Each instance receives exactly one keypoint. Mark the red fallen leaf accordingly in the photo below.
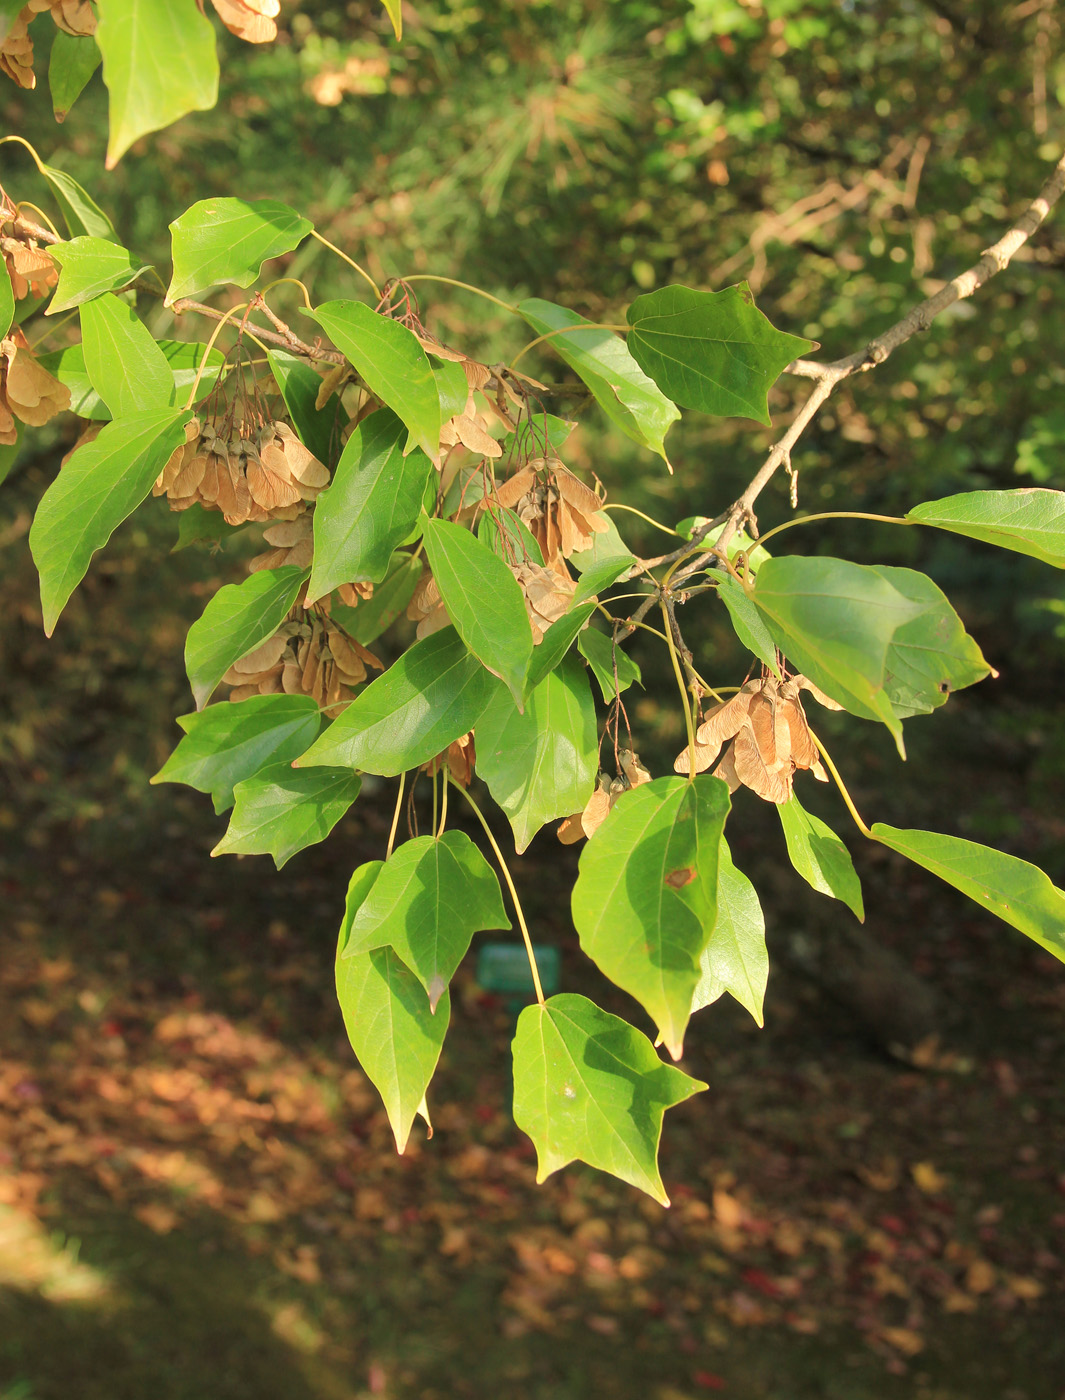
(761, 1283)
(708, 1380)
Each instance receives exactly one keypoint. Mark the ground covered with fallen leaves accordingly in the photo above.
(199, 1193)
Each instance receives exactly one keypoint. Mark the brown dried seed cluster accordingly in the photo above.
(251, 20)
(291, 543)
(771, 739)
(307, 655)
(31, 268)
(77, 17)
(561, 513)
(458, 758)
(426, 606)
(267, 474)
(547, 595)
(607, 792)
(27, 391)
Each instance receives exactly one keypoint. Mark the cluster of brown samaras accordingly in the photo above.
(631, 774)
(249, 471)
(252, 20)
(308, 655)
(27, 391)
(562, 515)
(770, 738)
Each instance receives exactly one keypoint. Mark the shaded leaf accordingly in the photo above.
(506, 534)
(81, 213)
(196, 524)
(556, 643)
(73, 60)
(1030, 520)
(432, 896)
(820, 856)
(219, 242)
(483, 600)
(123, 363)
(712, 351)
(234, 622)
(371, 505)
(432, 695)
(1010, 888)
(542, 763)
(102, 482)
(373, 615)
(7, 303)
(607, 661)
(225, 743)
(645, 901)
(318, 428)
(588, 1087)
(279, 811)
(632, 401)
(747, 622)
(89, 267)
(735, 960)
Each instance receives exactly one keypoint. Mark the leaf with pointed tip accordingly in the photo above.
(227, 743)
(542, 763)
(72, 62)
(159, 63)
(122, 360)
(556, 643)
(236, 620)
(389, 358)
(748, 623)
(318, 428)
(279, 811)
(483, 600)
(81, 213)
(183, 356)
(606, 545)
(645, 901)
(224, 242)
(1010, 888)
(432, 896)
(600, 575)
(632, 401)
(394, 11)
(433, 694)
(588, 1087)
(1030, 520)
(712, 351)
(102, 483)
(613, 669)
(735, 960)
(835, 622)
(371, 505)
(506, 534)
(931, 655)
(87, 268)
(820, 856)
(374, 615)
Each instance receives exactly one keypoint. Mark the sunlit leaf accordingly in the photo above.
(220, 242)
(102, 483)
(820, 856)
(1010, 888)
(1030, 520)
(122, 360)
(183, 357)
(735, 960)
(556, 642)
(432, 695)
(279, 811)
(432, 896)
(588, 1087)
(713, 351)
(81, 213)
(613, 669)
(236, 620)
(930, 656)
(89, 267)
(72, 62)
(747, 622)
(226, 743)
(645, 901)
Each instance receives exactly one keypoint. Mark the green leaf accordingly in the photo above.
(371, 505)
(820, 856)
(396, 1038)
(1010, 888)
(374, 615)
(600, 575)
(318, 428)
(605, 659)
(432, 695)
(88, 267)
(102, 483)
(196, 524)
(542, 435)
(7, 303)
(182, 356)
(159, 63)
(236, 620)
(712, 351)
(1030, 520)
(394, 11)
(280, 811)
(72, 62)
(619, 385)
(483, 600)
(81, 213)
(542, 763)
(9, 452)
(645, 901)
(747, 622)
(391, 361)
(735, 960)
(220, 242)
(506, 534)
(606, 545)
(227, 743)
(556, 642)
(931, 655)
(452, 388)
(432, 896)
(588, 1087)
(124, 364)
(835, 622)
